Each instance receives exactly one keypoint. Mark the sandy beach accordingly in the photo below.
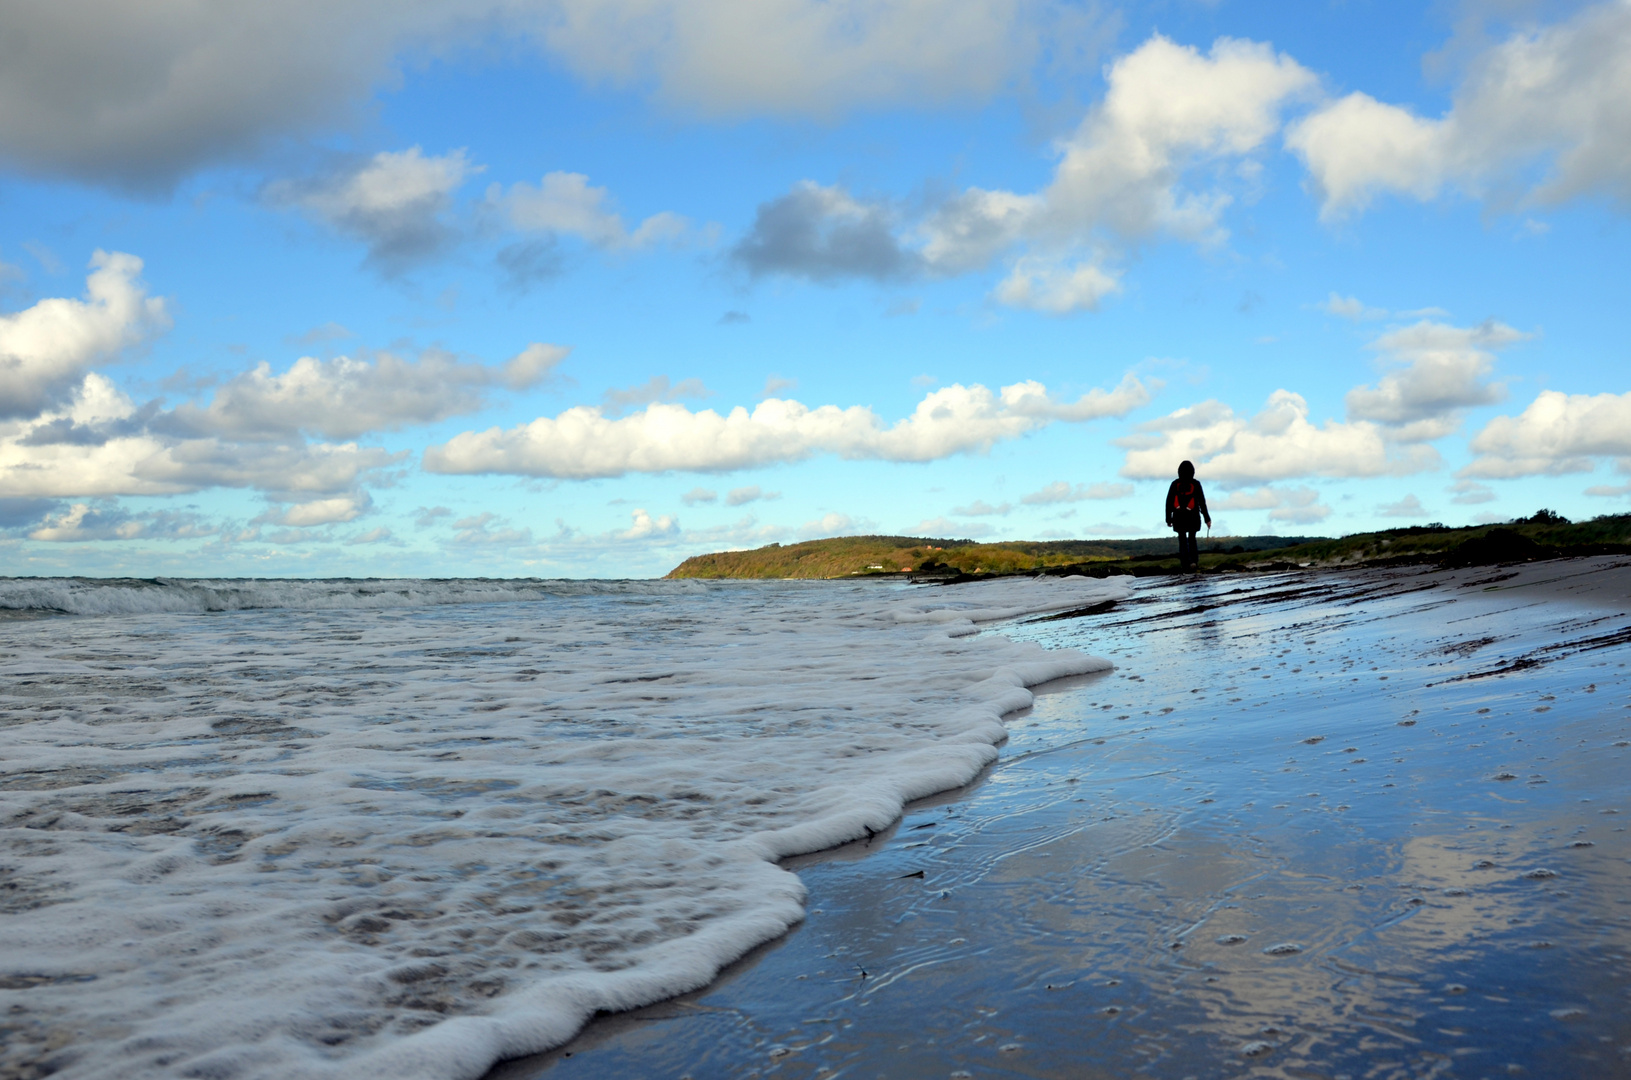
(1356, 824)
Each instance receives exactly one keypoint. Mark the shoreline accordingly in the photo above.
(1110, 874)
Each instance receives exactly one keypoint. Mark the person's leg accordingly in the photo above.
(1187, 555)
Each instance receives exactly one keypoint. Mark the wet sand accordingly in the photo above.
(1363, 824)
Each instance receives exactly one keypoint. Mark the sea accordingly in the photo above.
(408, 828)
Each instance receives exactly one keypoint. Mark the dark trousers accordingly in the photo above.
(1189, 553)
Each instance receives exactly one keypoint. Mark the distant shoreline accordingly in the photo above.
(1543, 535)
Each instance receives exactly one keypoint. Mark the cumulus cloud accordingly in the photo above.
(1349, 307)
(141, 94)
(1056, 288)
(159, 89)
(46, 349)
(117, 449)
(1471, 493)
(659, 388)
(776, 385)
(1168, 111)
(84, 522)
(947, 528)
(800, 57)
(1558, 433)
(646, 527)
(564, 204)
(1439, 370)
(1435, 371)
(584, 443)
(1278, 443)
(330, 511)
(396, 203)
(1407, 507)
(478, 530)
(1298, 505)
(981, 508)
(743, 495)
(824, 234)
(1557, 98)
(344, 397)
(1061, 492)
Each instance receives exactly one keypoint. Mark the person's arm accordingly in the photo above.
(1169, 502)
(1200, 497)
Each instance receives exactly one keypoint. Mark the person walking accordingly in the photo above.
(1186, 506)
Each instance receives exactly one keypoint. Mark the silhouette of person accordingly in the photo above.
(1186, 506)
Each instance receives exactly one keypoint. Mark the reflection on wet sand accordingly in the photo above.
(1364, 825)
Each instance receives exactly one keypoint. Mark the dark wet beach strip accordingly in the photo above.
(1366, 824)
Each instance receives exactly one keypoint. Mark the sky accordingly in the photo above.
(580, 288)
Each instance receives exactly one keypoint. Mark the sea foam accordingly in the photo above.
(406, 829)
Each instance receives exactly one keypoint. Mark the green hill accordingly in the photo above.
(850, 556)
(1543, 535)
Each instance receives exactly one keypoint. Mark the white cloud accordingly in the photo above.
(344, 397)
(981, 508)
(1301, 506)
(142, 94)
(1279, 443)
(331, 511)
(1169, 113)
(743, 495)
(1557, 433)
(656, 389)
(396, 203)
(1559, 97)
(533, 365)
(162, 88)
(372, 536)
(113, 449)
(1056, 288)
(1061, 492)
(945, 528)
(1442, 371)
(46, 349)
(646, 527)
(832, 523)
(1471, 493)
(83, 522)
(775, 385)
(563, 203)
(1349, 307)
(1298, 505)
(476, 530)
(1264, 498)
(1407, 507)
(800, 57)
(1436, 371)
(699, 495)
(1168, 110)
(583, 442)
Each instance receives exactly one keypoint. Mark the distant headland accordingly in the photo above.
(1542, 535)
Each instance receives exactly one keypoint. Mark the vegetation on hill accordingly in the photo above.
(1542, 535)
(851, 556)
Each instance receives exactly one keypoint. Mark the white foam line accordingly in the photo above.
(307, 843)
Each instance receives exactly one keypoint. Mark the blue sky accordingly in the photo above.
(583, 287)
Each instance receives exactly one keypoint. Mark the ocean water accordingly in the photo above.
(407, 828)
